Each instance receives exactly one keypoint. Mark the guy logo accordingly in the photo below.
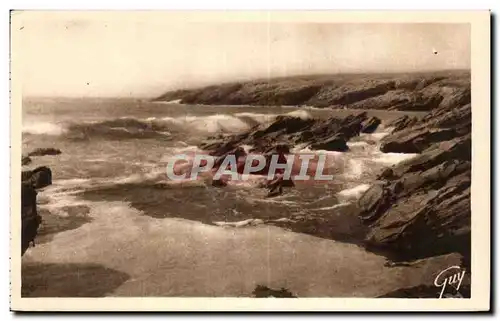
(450, 277)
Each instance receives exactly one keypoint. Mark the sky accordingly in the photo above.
(141, 55)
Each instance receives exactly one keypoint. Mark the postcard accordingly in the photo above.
(250, 160)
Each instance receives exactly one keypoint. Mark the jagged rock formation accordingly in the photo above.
(421, 207)
(330, 134)
(31, 220)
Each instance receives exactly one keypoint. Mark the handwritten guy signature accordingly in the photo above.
(447, 278)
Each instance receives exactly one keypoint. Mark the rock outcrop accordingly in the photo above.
(30, 219)
(370, 125)
(421, 207)
(440, 125)
(45, 151)
(262, 291)
(26, 160)
(38, 178)
(326, 134)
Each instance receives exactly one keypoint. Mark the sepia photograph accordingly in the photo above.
(267, 157)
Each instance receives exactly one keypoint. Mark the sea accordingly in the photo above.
(116, 225)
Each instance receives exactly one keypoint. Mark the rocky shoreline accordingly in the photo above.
(31, 182)
(417, 209)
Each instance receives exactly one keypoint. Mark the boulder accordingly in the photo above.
(26, 160)
(336, 143)
(45, 151)
(370, 125)
(420, 103)
(38, 178)
(402, 123)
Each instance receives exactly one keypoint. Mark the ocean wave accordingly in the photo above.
(152, 127)
(304, 114)
(43, 128)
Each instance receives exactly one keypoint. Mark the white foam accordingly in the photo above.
(357, 144)
(249, 222)
(175, 101)
(71, 181)
(211, 124)
(331, 207)
(43, 128)
(353, 193)
(392, 158)
(375, 136)
(304, 114)
(355, 168)
(308, 150)
(260, 118)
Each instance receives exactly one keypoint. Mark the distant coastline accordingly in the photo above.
(416, 91)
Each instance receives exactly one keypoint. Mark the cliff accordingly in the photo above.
(410, 91)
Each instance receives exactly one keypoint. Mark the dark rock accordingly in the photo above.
(440, 125)
(422, 206)
(265, 292)
(387, 173)
(456, 149)
(38, 178)
(402, 123)
(458, 97)
(419, 103)
(337, 143)
(30, 220)
(45, 151)
(287, 131)
(26, 160)
(351, 92)
(370, 125)
(416, 141)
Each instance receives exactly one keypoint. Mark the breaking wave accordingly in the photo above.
(43, 128)
(154, 127)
